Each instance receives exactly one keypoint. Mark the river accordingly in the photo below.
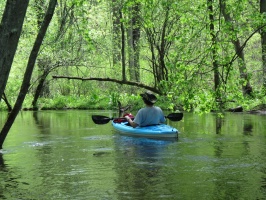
(64, 155)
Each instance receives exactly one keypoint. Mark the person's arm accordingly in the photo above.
(133, 124)
(162, 117)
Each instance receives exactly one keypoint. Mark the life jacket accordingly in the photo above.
(123, 119)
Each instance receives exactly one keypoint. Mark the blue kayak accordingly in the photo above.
(153, 131)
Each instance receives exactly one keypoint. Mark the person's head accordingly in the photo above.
(149, 98)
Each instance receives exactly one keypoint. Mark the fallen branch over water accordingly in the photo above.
(124, 82)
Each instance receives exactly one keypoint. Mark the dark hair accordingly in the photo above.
(147, 102)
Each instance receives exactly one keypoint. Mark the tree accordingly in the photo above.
(28, 73)
(39, 6)
(46, 63)
(196, 53)
(263, 43)
(246, 87)
(126, 22)
(116, 31)
(133, 39)
(10, 30)
(160, 25)
(214, 49)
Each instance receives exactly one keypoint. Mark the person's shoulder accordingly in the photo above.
(141, 110)
(157, 107)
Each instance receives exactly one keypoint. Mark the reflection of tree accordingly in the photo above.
(2, 164)
(218, 124)
(41, 122)
(52, 157)
(138, 163)
(222, 191)
(2, 168)
(263, 179)
(9, 180)
(247, 129)
(234, 164)
(223, 175)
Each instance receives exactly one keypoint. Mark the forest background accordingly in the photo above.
(198, 56)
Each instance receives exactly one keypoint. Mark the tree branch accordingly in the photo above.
(124, 82)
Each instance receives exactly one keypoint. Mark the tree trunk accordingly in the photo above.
(39, 90)
(159, 43)
(136, 38)
(130, 50)
(246, 87)
(9, 107)
(123, 52)
(263, 44)
(10, 30)
(133, 31)
(39, 6)
(116, 43)
(214, 49)
(28, 73)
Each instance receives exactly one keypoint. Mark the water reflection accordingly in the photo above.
(9, 179)
(64, 155)
(2, 177)
(236, 162)
(1, 169)
(138, 163)
(248, 128)
(2, 164)
(218, 125)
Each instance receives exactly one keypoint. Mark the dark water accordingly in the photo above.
(64, 155)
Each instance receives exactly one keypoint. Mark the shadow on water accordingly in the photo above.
(138, 164)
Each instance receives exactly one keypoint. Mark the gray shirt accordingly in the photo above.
(149, 116)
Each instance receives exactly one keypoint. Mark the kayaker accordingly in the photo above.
(150, 114)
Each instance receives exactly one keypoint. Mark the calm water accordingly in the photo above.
(64, 155)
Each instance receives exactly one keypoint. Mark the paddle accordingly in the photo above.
(99, 119)
(175, 116)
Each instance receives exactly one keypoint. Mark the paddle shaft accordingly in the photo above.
(98, 119)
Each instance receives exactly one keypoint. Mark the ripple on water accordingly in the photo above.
(98, 137)
(38, 144)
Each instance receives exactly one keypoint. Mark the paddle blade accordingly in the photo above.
(175, 116)
(98, 119)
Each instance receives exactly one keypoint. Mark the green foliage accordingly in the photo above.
(3, 106)
(79, 43)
